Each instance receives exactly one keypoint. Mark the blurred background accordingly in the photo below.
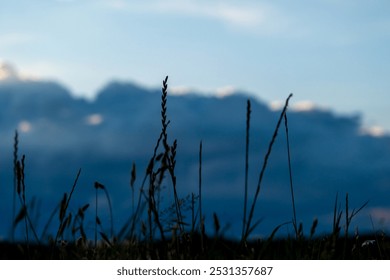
(81, 82)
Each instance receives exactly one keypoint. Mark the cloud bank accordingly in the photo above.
(104, 137)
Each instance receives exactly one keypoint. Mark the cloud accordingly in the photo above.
(8, 72)
(225, 91)
(180, 90)
(276, 105)
(240, 16)
(253, 16)
(328, 155)
(298, 106)
(24, 126)
(219, 92)
(303, 106)
(94, 119)
(375, 131)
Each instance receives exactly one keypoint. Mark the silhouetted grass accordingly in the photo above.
(248, 122)
(153, 232)
(249, 227)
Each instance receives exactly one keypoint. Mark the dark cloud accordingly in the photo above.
(105, 136)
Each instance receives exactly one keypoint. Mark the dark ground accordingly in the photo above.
(328, 247)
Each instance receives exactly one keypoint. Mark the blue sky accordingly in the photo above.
(333, 53)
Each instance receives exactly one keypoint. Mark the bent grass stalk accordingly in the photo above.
(102, 187)
(64, 207)
(249, 227)
(297, 233)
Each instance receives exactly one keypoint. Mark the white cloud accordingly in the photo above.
(234, 15)
(8, 72)
(276, 105)
(303, 106)
(298, 106)
(255, 16)
(179, 90)
(244, 17)
(24, 126)
(225, 91)
(375, 131)
(218, 92)
(94, 119)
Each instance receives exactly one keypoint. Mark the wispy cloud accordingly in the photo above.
(225, 12)
(249, 15)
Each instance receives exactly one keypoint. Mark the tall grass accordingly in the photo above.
(149, 234)
(64, 216)
(248, 121)
(15, 154)
(291, 179)
(249, 227)
(21, 192)
(201, 222)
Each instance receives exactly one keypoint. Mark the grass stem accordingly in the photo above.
(258, 188)
(295, 225)
(248, 117)
(201, 220)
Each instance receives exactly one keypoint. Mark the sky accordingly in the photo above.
(334, 54)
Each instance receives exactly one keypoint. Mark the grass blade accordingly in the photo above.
(248, 226)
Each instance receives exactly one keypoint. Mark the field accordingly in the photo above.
(147, 235)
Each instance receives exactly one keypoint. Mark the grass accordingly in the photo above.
(156, 231)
